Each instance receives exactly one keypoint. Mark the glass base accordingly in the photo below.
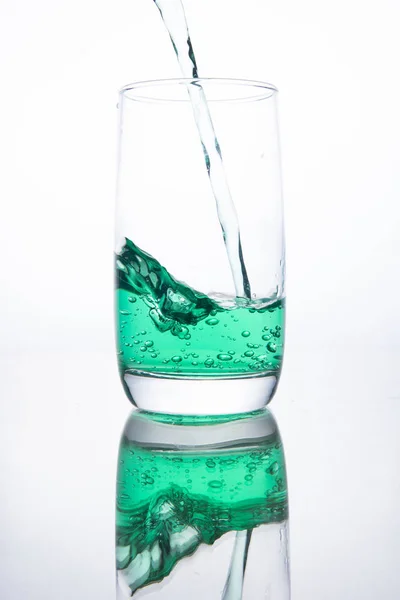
(200, 396)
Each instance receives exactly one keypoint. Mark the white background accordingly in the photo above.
(336, 65)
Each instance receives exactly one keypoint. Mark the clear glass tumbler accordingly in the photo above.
(202, 508)
(200, 245)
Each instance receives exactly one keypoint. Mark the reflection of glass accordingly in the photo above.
(202, 508)
(180, 315)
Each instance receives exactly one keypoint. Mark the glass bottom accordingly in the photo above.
(200, 396)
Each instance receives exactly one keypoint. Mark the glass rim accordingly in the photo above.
(261, 90)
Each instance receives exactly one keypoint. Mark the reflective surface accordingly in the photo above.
(202, 499)
(338, 400)
(60, 431)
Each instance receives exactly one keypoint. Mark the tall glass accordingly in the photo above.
(200, 246)
(202, 509)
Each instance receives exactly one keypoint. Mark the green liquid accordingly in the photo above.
(168, 328)
(171, 501)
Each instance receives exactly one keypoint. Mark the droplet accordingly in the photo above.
(210, 463)
(215, 484)
(232, 352)
(124, 312)
(245, 333)
(131, 299)
(149, 343)
(153, 355)
(248, 477)
(195, 363)
(224, 357)
(227, 462)
(249, 353)
(271, 347)
(176, 359)
(212, 321)
(274, 468)
(266, 337)
(209, 362)
(143, 348)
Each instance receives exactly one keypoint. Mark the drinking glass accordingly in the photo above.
(199, 245)
(202, 508)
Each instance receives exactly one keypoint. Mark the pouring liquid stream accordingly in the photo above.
(174, 18)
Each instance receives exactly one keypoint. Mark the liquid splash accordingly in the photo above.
(166, 326)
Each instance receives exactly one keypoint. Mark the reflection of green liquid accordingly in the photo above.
(168, 328)
(170, 501)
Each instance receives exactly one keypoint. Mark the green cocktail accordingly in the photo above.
(169, 329)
